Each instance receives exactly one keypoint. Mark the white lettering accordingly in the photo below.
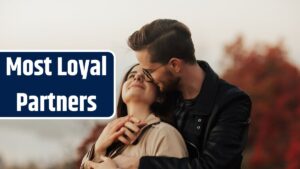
(21, 100)
(53, 103)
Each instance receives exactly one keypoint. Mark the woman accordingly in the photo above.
(140, 103)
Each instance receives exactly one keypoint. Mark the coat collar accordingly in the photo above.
(151, 118)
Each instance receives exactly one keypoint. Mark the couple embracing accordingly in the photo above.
(174, 111)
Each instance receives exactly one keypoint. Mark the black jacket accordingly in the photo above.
(214, 125)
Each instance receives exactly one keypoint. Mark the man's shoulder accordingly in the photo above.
(222, 91)
(228, 93)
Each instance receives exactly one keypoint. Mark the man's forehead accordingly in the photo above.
(144, 59)
(148, 65)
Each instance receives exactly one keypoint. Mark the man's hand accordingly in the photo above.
(127, 162)
(106, 164)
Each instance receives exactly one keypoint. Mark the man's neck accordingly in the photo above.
(191, 81)
(138, 110)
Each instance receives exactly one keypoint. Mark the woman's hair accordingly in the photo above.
(161, 109)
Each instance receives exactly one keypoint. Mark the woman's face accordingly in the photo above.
(136, 89)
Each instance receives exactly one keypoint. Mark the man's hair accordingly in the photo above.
(164, 39)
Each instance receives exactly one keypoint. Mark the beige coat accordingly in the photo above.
(156, 139)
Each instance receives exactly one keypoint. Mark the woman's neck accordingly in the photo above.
(138, 110)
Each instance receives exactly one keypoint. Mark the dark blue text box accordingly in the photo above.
(51, 90)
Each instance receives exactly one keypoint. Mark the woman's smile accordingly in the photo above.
(136, 84)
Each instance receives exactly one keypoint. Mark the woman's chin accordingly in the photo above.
(136, 97)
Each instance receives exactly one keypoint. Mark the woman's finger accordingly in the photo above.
(123, 140)
(129, 134)
(90, 164)
(134, 120)
(117, 134)
(103, 158)
(141, 124)
(132, 127)
(120, 123)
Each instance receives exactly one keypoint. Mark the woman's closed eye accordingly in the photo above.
(131, 76)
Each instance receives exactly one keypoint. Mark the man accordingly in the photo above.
(211, 114)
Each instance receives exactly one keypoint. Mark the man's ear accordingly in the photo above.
(175, 64)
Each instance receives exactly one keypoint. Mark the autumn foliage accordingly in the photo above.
(273, 84)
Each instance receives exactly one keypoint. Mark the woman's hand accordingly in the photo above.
(124, 129)
(131, 129)
(110, 133)
(106, 164)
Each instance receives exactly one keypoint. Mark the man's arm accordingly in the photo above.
(225, 142)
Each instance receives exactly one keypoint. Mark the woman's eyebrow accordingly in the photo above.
(132, 72)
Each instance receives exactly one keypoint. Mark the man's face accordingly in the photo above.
(160, 73)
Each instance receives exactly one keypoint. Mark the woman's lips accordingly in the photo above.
(137, 85)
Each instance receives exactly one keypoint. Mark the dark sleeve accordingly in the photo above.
(224, 145)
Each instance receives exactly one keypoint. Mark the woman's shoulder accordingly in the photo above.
(164, 129)
(161, 140)
(156, 125)
(158, 129)
(163, 125)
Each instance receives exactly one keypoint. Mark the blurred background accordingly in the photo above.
(252, 44)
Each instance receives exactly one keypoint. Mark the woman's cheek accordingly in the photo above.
(152, 94)
(124, 91)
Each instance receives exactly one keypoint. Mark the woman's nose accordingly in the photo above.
(139, 77)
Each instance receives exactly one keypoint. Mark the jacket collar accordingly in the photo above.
(204, 102)
(150, 119)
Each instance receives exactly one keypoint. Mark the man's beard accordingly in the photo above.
(171, 86)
